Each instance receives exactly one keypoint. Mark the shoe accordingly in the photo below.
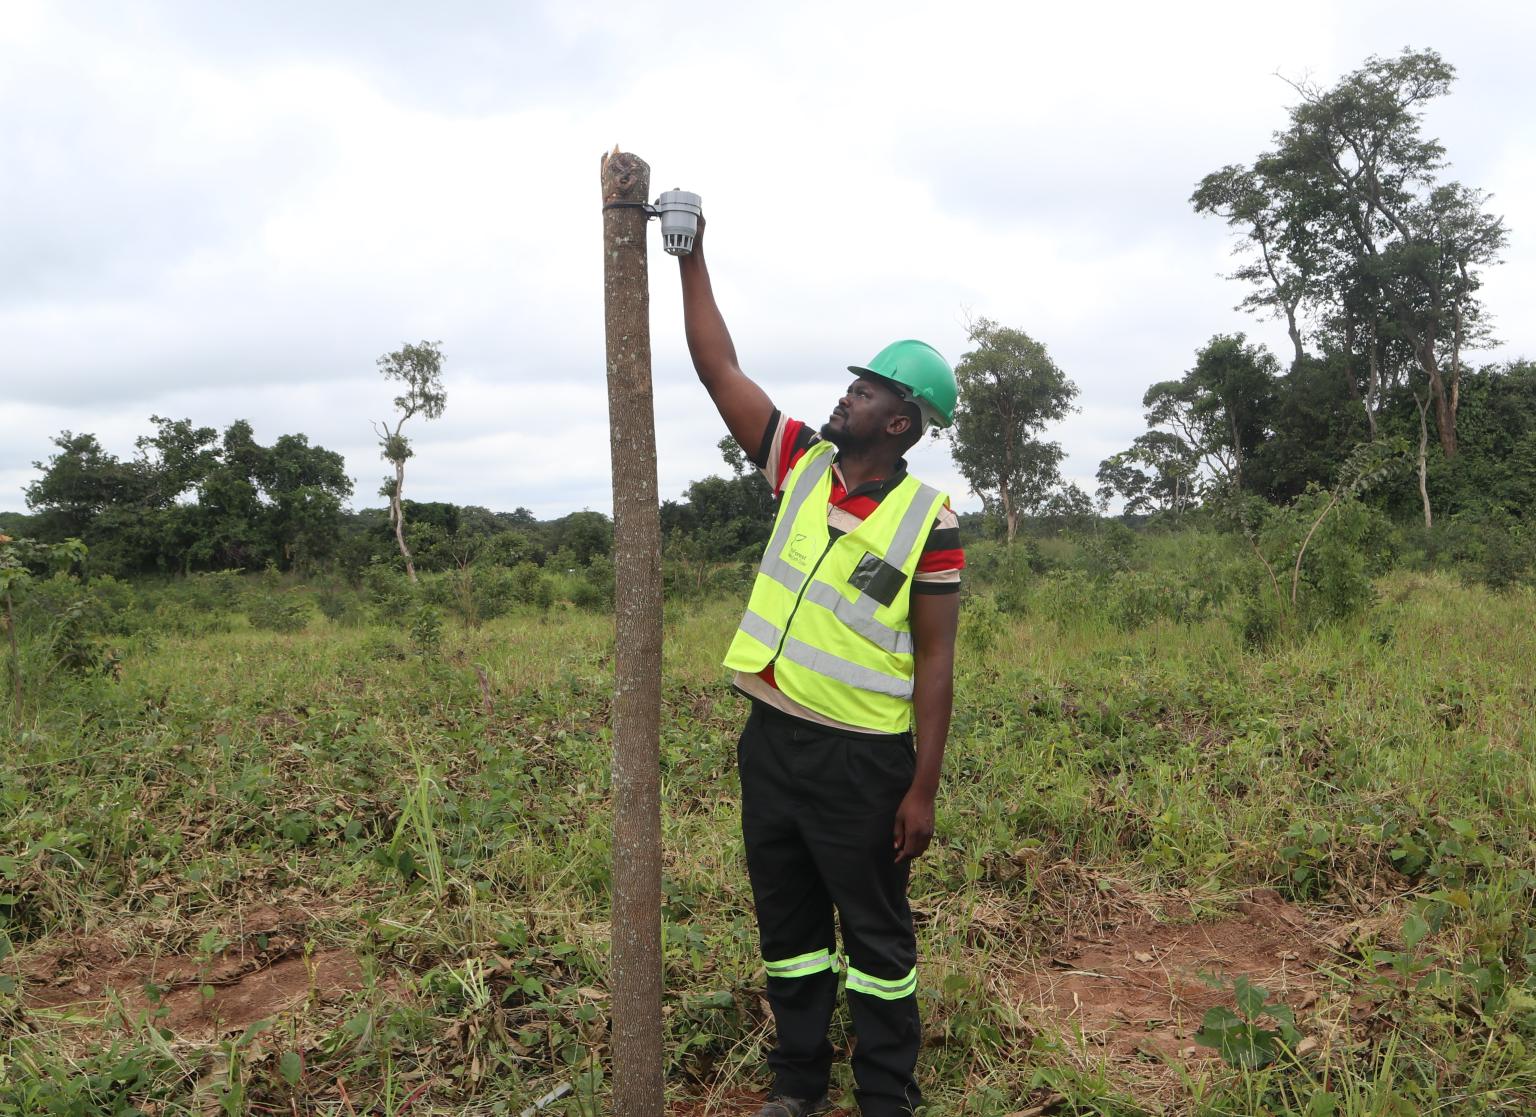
(778, 1105)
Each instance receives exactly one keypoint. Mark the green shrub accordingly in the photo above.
(1110, 549)
(1493, 548)
(426, 630)
(1324, 552)
(390, 592)
(178, 618)
(1011, 571)
(337, 604)
(594, 586)
(1137, 598)
(483, 592)
(702, 581)
(981, 624)
(213, 591)
(65, 623)
(277, 612)
(382, 645)
(531, 585)
(1260, 617)
(1068, 595)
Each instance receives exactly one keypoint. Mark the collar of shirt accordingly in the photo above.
(876, 489)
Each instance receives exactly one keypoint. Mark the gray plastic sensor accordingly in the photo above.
(679, 211)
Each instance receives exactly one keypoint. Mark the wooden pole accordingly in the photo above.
(636, 959)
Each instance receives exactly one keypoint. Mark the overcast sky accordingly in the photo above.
(221, 211)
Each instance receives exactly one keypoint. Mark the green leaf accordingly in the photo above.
(1250, 998)
(1218, 1023)
(1414, 930)
(292, 1067)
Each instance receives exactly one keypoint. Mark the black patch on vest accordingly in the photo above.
(877, 578)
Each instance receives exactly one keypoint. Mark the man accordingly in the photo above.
(848, 638)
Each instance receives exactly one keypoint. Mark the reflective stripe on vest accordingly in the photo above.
(788, 576)
(845, 671)
(763, 631)
(861, 982)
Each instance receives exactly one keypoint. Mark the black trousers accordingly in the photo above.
(817, 812)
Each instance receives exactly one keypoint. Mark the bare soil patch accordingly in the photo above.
(1141, 988)
(263, 971)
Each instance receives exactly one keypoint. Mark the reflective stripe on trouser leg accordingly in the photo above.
(817, 961)
(886, 990)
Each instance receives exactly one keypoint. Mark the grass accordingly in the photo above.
(451, 835)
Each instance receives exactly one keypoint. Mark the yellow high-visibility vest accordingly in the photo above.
(832, 615)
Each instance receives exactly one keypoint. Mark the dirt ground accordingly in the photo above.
(262, 972)
(1142, 988)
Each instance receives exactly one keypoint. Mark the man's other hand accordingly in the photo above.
(914, 825)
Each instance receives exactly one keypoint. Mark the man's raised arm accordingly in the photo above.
(742, 404)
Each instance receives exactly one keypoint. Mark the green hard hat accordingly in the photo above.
(920, 374)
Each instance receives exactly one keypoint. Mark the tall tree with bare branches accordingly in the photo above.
(420, 368)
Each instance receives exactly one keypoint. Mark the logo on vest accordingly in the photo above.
(796, 552)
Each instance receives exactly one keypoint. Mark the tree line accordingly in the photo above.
(193, 500)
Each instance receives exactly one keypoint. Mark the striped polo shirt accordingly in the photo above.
(785, 441)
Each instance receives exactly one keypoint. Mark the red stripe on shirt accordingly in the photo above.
(934, 562)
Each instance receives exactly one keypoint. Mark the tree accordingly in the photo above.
(581, 536)
(230, 531)
(1347, 216)
(721, 519)
(79, 483)
(1313, 426)
(1158, 473)
(1278, 235)
(305, 486)
(1009, 390)
(1069, 508)
(420, 368)
(1222, 405)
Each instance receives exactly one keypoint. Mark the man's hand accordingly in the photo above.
(914, 825)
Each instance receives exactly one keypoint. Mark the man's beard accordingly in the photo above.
(845, 441)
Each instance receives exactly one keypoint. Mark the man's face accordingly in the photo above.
(863, 416)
